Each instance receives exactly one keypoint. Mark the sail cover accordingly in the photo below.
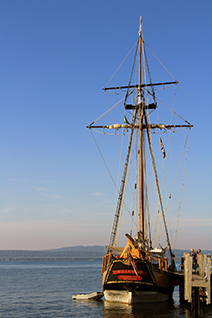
(116, 249)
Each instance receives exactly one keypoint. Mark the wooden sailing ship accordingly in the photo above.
(138, 272)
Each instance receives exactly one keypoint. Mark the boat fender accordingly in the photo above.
(175, 282)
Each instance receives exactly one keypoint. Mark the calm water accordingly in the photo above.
(45, 289)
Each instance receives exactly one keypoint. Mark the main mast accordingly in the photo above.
(141, 143)
(143, 124)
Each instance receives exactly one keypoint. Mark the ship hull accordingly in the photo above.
(121, 284)
(134, 297)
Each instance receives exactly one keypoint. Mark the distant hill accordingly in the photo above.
(66, 253)
(81, 248)
(72, 253)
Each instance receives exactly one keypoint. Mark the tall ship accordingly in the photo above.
(143, 270)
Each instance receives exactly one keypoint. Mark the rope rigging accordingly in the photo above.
(122, 63)
(118, 212)
(158, 188)
(178, 217)
(164, 168)
(160, 61)
(152, 155)
(111, 175)
(146, 125)
(120, 197)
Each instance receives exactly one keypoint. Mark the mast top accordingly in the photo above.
(140, 30)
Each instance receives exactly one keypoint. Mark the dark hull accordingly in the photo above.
(120, 283)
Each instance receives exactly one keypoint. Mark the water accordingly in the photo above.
(45, 288)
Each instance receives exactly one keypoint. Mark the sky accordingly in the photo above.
(55, 58)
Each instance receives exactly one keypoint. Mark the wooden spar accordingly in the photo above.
(140, 57)
(141, 168)
(140, 85)
(149, 126)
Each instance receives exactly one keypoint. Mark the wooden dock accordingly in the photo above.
(195, 283)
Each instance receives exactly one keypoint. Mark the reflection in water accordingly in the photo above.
(85, 308)
(104, 309)
(112, 310)
(165, 310)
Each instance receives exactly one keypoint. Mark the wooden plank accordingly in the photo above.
(208, 289)
(200, 283)
(188, 277)
(200, 263)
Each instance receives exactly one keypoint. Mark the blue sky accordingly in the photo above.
(55, 58)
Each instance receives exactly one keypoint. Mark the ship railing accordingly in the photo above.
(161, 261)
(106, 261)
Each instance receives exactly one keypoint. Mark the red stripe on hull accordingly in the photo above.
(128, 271)
(128, 277)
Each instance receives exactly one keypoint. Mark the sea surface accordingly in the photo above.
(45, 288)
